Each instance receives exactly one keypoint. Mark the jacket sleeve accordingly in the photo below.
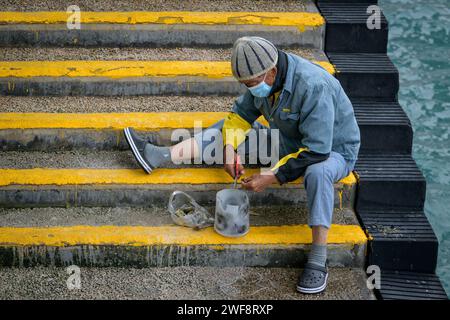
(316, 128)
(239, 122)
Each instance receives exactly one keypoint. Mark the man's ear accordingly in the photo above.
(273, 74)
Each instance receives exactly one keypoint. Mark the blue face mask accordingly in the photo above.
(261, 90)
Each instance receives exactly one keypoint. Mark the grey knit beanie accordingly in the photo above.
(252, 57)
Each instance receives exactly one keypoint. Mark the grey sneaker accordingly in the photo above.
(137, 146)
(313, 279)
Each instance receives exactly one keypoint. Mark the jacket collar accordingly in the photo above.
(292, 65)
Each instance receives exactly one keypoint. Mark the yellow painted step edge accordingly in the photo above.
(194, 176)
(171, 235)
(301, 20)
(119, 69)
(151, 121)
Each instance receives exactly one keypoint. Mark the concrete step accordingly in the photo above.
(147, 238)
(133, 53)
(389, 182)
(204, 23)
(111, 71)
(159, 5)
(401, 240)
(384, 126)
(109, 181)
(155, 216)
(370, 76)
(410, 286)
(347, 28)
(204, 283)
(61, 131)
(115, 104)
(124, 77)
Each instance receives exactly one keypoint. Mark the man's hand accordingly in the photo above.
(259, 182)
(230, 160)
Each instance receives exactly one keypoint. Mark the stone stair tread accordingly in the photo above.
(178, 283)
(381, 112)
(385, 128)
(214, 25)
(118, 69)
(115, 104)
(121, 77)
(160, 5)
(349, 27)
(300, 20)
(151, 216)
(108, 179)
(166, 119)
(134, 53)
(125, 176)
(411, 286)
(389, 182)
(350, 13)
(170, 245)
(143, 236)
(149, 121)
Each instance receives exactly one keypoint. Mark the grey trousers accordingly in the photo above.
(319, 178)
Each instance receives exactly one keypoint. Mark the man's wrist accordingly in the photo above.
(281, 178)
(272, 176)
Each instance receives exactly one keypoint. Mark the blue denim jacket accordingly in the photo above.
(312, 111)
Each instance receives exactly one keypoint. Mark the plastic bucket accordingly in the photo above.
(232, 213)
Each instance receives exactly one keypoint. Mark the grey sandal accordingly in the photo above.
(313, 279)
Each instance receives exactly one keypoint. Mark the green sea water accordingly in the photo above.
(419, 45)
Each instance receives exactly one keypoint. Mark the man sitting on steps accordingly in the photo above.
(317, 130)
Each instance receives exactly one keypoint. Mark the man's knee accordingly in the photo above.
(317, 173)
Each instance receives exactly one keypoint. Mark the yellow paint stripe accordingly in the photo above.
(114, 68)
(118, 69)
(50, 176)
(137, 120)
(286, 158)
(300, 20)
(171, 235)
